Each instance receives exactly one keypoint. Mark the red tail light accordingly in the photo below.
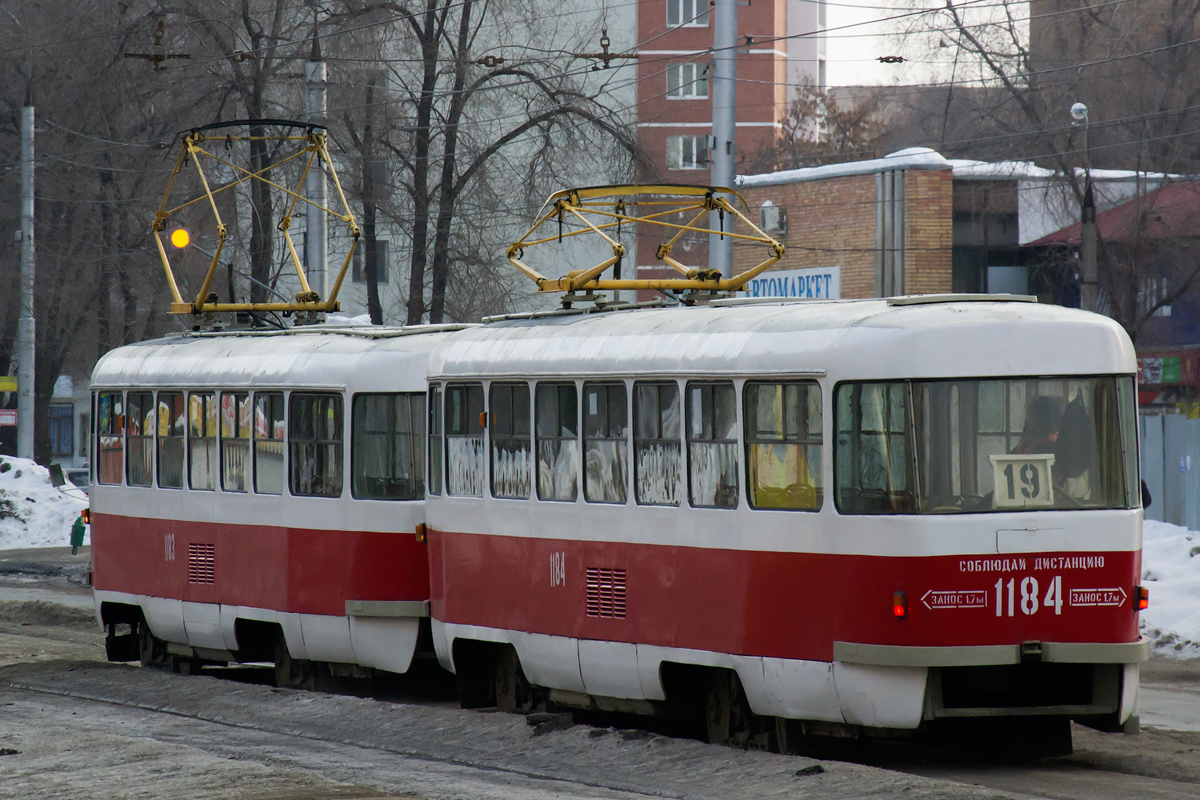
(899, 604)
(1141, 598)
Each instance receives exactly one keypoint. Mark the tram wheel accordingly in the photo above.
(152, 651)
(512, 689)
(292, 673)
(727, 715)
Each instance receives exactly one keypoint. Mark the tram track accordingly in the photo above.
(493, 748)
(394, 743)
(414, 739)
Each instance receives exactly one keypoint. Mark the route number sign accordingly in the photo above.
(1023, 481)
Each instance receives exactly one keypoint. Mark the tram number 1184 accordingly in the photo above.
(1006, 596)
(558, 569)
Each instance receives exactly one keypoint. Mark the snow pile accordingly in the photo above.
(33, 513)
(1171, 570)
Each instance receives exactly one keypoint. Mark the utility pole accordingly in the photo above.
(316, 239)
(1089, 294)
(26, 329)
(724, 110)
(1089, 286)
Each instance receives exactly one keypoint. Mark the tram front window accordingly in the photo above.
(946, 447)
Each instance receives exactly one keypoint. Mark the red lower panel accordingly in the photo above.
(785, 605)
(285, 569)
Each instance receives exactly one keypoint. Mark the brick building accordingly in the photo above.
(782, 50)
(881, 227)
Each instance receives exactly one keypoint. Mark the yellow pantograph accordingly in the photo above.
(308, 148)
(672, 210)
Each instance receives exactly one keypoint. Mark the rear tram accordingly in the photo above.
(792, 517)
(258, 496)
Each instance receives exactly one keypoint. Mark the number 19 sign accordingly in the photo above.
(1023, 481)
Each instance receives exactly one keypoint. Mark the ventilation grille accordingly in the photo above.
(606, 593)
(202, 563)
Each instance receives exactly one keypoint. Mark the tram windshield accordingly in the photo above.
(970, 446)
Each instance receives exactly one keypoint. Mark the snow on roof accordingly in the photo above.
(927, 158)
(967, 169)
(909, 158)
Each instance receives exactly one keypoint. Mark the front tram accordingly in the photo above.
(793, 517)
(258, 496)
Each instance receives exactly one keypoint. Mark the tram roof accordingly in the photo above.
(317, 356)
(861, 339)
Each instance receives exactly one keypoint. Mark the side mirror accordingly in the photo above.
(56, 476)
(1146, 498)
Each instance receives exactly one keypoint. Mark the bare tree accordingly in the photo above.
(250, 52)
(819, 129)
(100, 117)
(478, 106)
(1138, 72)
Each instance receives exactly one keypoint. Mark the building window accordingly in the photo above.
(139, 419)
(315, 440)
(712, 445)
(508, 412)
(656, 443)
(687, 13)
(783, 445)
(110, 449)
(202, 440)
(464, 440)
(172, 424)
(62, 430)
(687, 152)
(687, 81)
(235, 441)
(358, 267)
(557, 440)
(605, 442)
(269, 434)
(389, 430)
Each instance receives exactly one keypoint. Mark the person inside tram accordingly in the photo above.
(1042, 419)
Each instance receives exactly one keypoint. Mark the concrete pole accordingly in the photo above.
(316, 250)
(1089, 295)
(26, 329)
(724, 110)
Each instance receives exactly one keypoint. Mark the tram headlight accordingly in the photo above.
(899, 604)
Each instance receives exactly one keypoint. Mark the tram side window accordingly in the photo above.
(172, 423)
(712, 445)
(315, 435)
(235, 441)
(656, 443)
(269, 432)
(464, 440)
(139, 438)
(557, 441)
(605, 442)
(871, 461)
(110, 434)
(509, 419)
(434, 482)
(783, 445)
(388, 432)
(202, 440)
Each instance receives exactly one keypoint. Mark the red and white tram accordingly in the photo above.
(258, 496)
(846, 516)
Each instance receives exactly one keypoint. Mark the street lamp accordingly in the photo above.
(1089, 290)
